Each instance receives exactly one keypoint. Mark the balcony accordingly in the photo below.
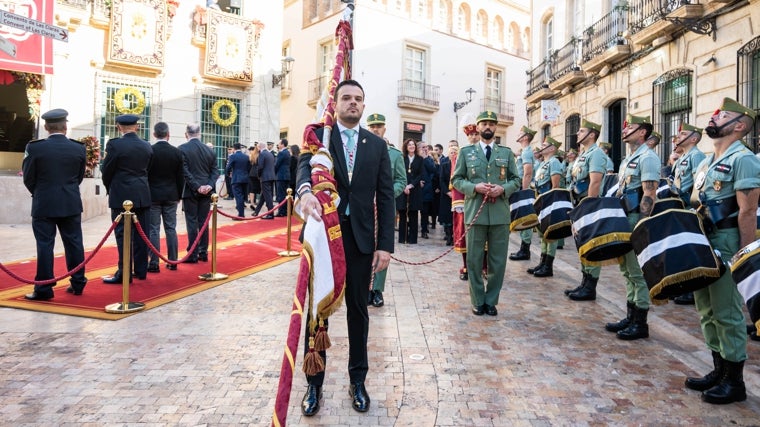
(316, 87)
(565, 70)
(652, 19)
(603, 42)
(418, 95)
(538, 83)
(505, 110)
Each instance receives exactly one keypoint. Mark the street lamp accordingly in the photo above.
(287, 66)
(459, 105)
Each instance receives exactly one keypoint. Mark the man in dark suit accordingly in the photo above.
(363, 156)
(53, 169)
(282, 171)
(201, 173)
(125, 176)
(238, 165)
(267, 178)
(166, 180)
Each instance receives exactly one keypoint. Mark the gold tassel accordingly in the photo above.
(321, 339)
(312, 361)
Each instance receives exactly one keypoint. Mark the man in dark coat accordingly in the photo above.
(166, 180)
(201, 173)
(282, 170)
(238, 165)
(125, 176)
(53, 168)
(267, 178)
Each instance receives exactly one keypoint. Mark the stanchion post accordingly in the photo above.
(214, 275)
(288, 252)
(125, 306)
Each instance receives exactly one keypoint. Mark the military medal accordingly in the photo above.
(717, 185)
(503, 174)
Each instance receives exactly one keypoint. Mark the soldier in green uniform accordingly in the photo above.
(587, 176)
(639, 176)
(653, 140)
(486, 173)
(685, 144)
(606, 147)
(548, 176)
(525, 171)
(570, 159)
(726, 191)
(376, 124)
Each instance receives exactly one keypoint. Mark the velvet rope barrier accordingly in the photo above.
(248, 218)
(153, 249)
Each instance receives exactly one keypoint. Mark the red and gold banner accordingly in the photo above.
(34, 53)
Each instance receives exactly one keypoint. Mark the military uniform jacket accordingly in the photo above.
(642, 165)
(544, 172)
(53, 168)
(472, 168)
(718, 179)
(590, 160)
(397, 170)
(125, 171)
(685, 168)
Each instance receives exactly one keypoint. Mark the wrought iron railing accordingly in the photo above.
(605, 33)
(565, 60)
(417, 92)
(537, 78)
(79, 4)
(643, 13)
(316, 87)
(505, 110)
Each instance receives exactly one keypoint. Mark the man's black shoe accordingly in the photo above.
(172, 267)
(154, 269)
(370, 297)
(190, 261)
(478, 311)
(491, 310)
(359, 397)
(270, 216)
(281, 214)
(310, 402)
(72, 290)
(39, 296)
(377, 299)
(203, 257)
(116, 279)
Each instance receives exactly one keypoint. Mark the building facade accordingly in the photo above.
(671, 60)
(424, 64)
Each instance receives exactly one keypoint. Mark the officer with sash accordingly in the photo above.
(726, 191)
(548, 176)
(525, 170)
(639, 176)
(486, 173)
(376, 124)
(587, 175)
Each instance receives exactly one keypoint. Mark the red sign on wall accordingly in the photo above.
(34, 53)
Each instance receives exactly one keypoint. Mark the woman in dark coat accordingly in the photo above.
(444, 212)
(409, 202)
(254, 185)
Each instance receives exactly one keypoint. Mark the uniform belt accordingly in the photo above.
(730, 222)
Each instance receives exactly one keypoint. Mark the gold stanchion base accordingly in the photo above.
(288, 253)
(119, 307)
(213, 276)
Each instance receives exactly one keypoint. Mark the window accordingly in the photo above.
(577, 17)
(572, 124)
(444, 15)
(672, 105)
(546, 130)
(463, 20)
(325, 58)
(497, 34)
(313, 9)
(222, 137)
(549, 36)
(120, 98)
(748, 87)
(493, 90)
(414, 70)
(422, 8)
(286, 83)
(481, 25)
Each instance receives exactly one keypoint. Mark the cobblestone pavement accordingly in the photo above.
(213, 358)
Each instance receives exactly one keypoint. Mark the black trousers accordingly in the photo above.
(44, 230)
(266, 196)
(407, 226)
(196, 211)
(139, 248)
(358, 276)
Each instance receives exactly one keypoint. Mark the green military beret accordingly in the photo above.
(591, 125)
(606, 145)
(689, 128)
(528, 131)
(731, 105)
(560, 153)
(552, 141)
(655, 135)
(487, 115)
(640, 120)
(375, 119)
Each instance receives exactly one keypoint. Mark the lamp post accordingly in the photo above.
(458, 106)
(287, 67)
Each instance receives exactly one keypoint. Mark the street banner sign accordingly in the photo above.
(33, 26)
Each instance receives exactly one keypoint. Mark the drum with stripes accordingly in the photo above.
(610, 185)
(666, 189)
(661, 205)
(674, 254)
(745, 270)
(601, 230)
(522, 214)
(552, 208)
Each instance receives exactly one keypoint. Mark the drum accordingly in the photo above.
(552, 208)
(665, 189)
(601, 230)
(610, 184)
(674, 254)
(661, 205)
(522, 214)
(745, 270)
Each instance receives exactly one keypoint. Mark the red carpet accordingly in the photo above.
(243, 248)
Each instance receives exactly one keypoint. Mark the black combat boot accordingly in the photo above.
(709, 380)
(638, 328)
(540, 264)
(730, 388)
(577, 288)
(547, 269)
(522, 254)
(622, 324)
(587, 292)
(449, 232)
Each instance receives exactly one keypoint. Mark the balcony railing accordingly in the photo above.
(316, 87)
(79, 4)
(643, 13)
(538, 78)
(605, 33)
(416, 93)
(505, 110)
(566, 59)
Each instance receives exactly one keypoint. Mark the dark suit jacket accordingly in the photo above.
(372, 182)
(238, 165)
(266, 166)
(282, 165)
(414, 174)
(165, 174)
(198, 167)
(53, 168)
(125, 171)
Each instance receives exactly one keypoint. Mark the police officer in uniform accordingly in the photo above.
(525, 171)
(726, 191)
(376, 124)
(639, 176)
(548, 176)
(53, 168)
(125, 176)
(486, 172)
(587, 173)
